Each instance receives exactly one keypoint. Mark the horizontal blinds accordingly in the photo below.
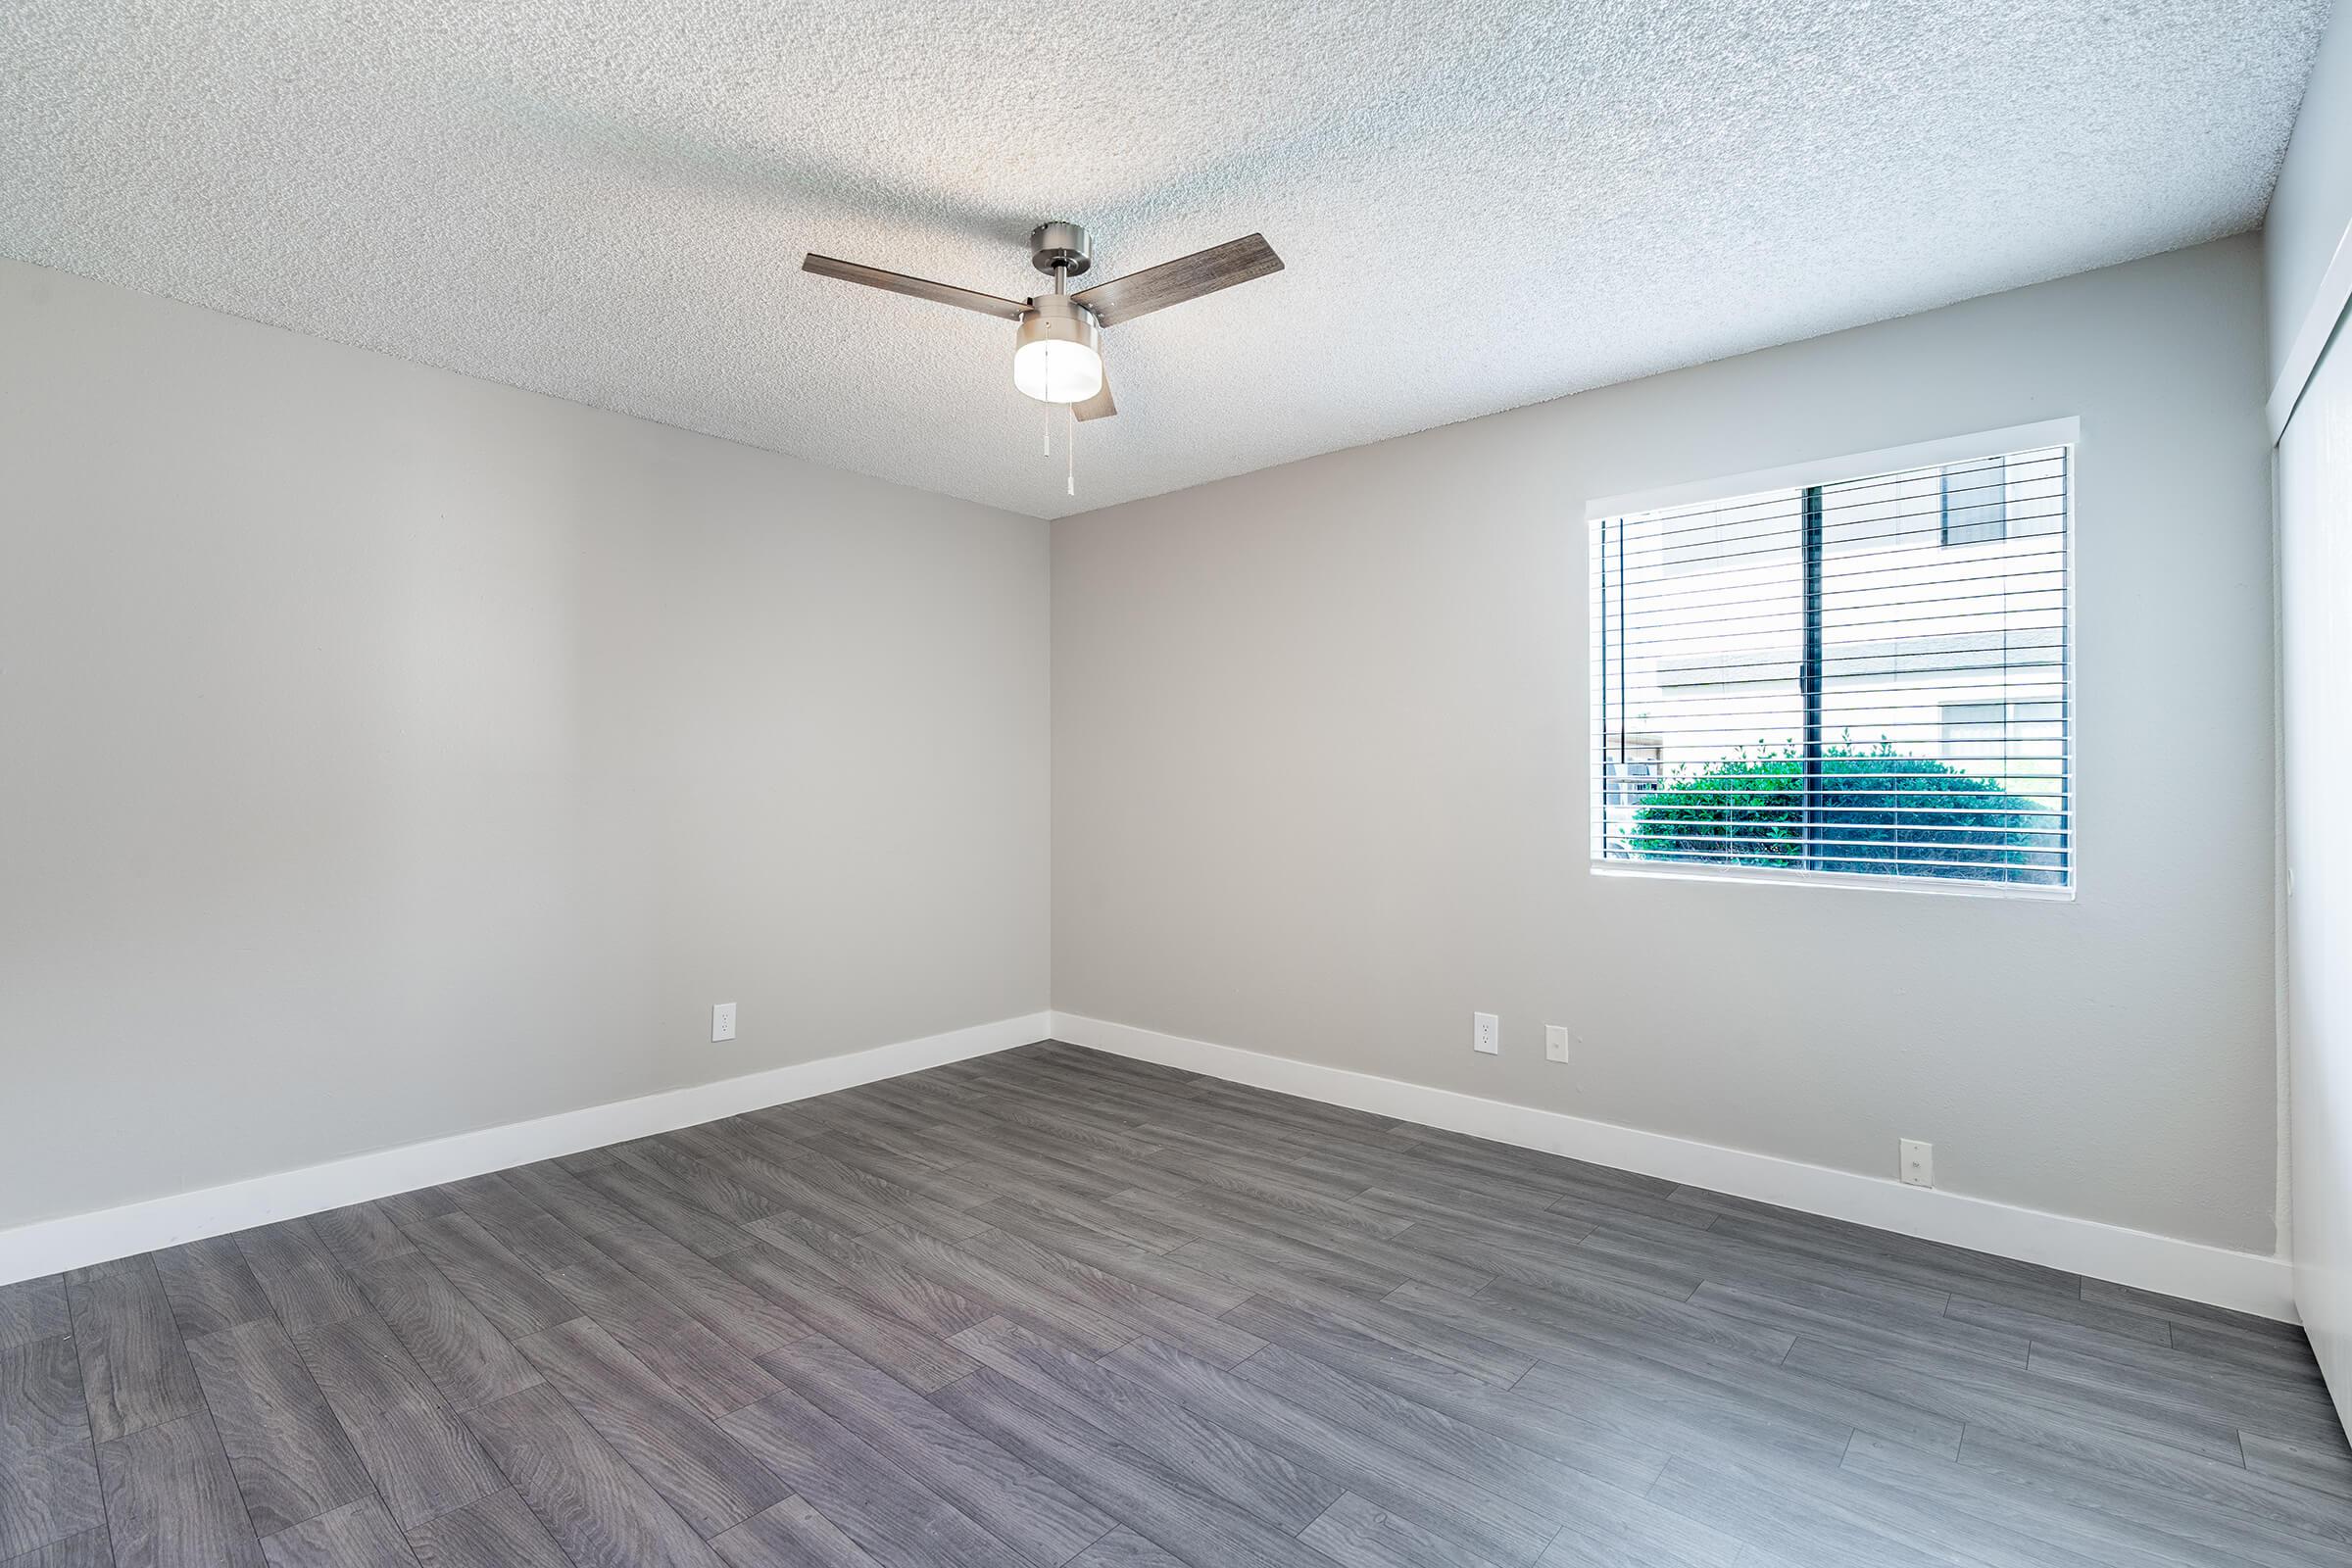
(1861, 678)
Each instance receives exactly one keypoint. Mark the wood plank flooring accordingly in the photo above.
(1051, 1307)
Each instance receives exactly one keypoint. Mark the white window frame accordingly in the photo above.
(2062, 432)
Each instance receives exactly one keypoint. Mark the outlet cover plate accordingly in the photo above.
(1919, 1164)
(722, 1020)
(1486, 1034)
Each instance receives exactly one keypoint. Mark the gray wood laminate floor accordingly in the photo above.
(1054, 1307)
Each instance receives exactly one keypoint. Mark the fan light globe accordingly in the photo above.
(1058, 353)
(1055, 371)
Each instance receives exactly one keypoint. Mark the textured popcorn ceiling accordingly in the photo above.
(1482, 205)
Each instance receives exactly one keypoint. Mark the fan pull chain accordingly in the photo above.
(1069, 446)
(1049, 426)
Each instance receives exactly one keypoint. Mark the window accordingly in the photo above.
(1973, 730)
(1976, 502)
(1814, 682)
(1632, 767)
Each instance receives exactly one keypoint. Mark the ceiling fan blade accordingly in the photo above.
(1186, 277)
(1099, 406)
(922, 288)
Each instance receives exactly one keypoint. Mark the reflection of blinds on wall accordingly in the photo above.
(1864, 678)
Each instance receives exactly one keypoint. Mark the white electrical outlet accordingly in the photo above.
(1556, 1042)
(1919, 1162)
(722, 1020)
(1486, 1034)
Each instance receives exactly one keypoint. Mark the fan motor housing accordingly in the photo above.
(1059, 245)
(1059, 318)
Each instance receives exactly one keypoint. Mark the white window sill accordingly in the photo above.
(1935, 886)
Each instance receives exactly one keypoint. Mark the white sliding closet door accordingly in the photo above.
(2315, 561)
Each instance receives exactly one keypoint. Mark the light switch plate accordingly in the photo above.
(722, 1020)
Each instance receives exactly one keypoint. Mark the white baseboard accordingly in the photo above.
(2244, 1281)
(47, 1247)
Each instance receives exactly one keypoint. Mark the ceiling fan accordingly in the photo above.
(1058, 353)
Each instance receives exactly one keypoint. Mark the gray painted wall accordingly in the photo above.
(385, 754)
(1319, 776)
